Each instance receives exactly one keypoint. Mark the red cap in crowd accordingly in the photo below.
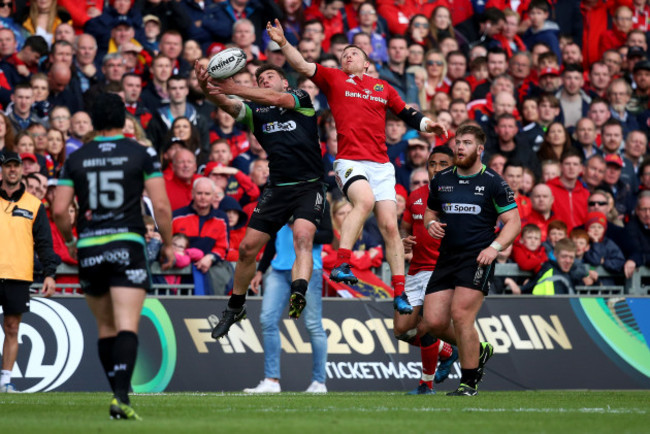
(614, 159)
(596, 217)
(28, 156)
(549, 71)
(401, 191)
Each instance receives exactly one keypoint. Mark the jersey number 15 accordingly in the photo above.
(108, 192)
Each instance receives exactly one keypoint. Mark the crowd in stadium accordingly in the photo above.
(561, 88)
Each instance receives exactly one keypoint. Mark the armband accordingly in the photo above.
(496, 246)
(411, 117)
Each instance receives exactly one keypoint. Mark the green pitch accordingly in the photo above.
(490, 412)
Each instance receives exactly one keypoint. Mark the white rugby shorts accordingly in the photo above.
(380, 176)
(415, 287)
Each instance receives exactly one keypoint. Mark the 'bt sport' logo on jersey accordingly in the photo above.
(461, 208)
(274, 127)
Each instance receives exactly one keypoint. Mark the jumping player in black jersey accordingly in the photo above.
(284, 122)
(464, 204)
(108, 176)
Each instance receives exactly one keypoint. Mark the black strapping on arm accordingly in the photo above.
(411, 117)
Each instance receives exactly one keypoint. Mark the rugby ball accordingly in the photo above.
(226, 63)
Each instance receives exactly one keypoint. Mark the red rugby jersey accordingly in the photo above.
(359, 108)
(425, 252)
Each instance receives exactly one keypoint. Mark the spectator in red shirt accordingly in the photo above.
(570, 203)
(179, 187)
(542, 209)
(327, 12)
(207, 229)
(617, 35)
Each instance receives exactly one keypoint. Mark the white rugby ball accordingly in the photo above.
(226, 63)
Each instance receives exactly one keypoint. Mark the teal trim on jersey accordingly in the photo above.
(65, 182)
(153, 175)
(285, 184)
(107, 138)
(248, 118)
(483, 167)
(105, 239)
(306, 111)
(295, 98)
(501, 210)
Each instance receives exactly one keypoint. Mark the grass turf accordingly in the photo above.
(395, 413)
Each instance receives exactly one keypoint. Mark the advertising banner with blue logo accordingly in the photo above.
(540, 343)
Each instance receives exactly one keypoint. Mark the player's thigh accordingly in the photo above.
(386, 214)
(437, 309)
(253, 242)
(403, 323)
(127, 307)
(465, 305)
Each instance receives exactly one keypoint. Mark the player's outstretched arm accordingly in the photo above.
(231, 106)
(293, 56)
(255, 94)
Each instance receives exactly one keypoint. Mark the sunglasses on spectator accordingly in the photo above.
(421, 25)
(435, 62)
(594, 203)
(2, 5)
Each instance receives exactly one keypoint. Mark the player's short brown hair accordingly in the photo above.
(475, 131)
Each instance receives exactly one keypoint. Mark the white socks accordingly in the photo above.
(5, 377)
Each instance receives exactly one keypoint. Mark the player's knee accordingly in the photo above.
(11, 329)
(303, 241)
(247, 251)
(389, 228)
(434, 325)
(405, 335)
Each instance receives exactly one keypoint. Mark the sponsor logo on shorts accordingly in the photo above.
(137, 276)
(348, 172)
(115, 256)
(461, 208)
(274, 127)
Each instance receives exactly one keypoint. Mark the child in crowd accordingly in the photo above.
(152, 239)
(602, 251)
(502, 284)
(528, 253)
(561, 276)
(184, 254)
(550, 170)
(237, 220)
(557, 230)
(581, 239)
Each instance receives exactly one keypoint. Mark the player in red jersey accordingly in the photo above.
(424, 248)
(363, 172)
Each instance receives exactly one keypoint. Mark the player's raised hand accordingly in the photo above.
(201, 75)
(276, 32)
(221, 87)
(437, 128)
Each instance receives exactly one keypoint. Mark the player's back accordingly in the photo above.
(108, 176)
